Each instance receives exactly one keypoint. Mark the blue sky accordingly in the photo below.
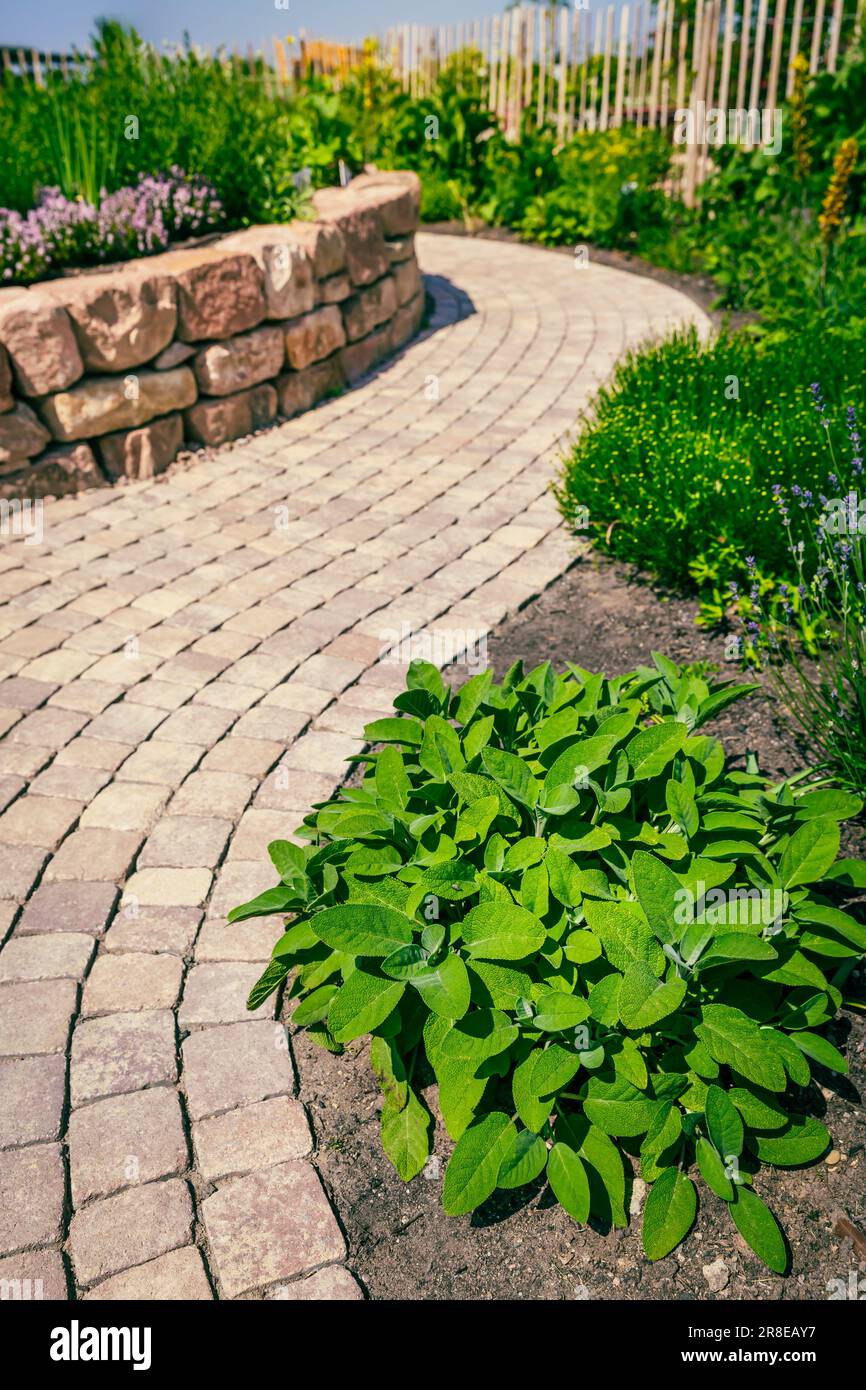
(58, 26)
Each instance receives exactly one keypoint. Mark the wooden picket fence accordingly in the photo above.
(572, 69)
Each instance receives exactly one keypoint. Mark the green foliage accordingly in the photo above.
(677, 463)
(610, 949)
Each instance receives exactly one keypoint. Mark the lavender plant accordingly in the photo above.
(824, 691)
(134, 221)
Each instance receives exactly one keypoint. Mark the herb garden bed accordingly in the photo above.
(522, 1244)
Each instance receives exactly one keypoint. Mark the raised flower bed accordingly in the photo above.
(106, 375)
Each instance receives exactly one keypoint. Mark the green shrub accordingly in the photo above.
(556, 895)
(676, 464)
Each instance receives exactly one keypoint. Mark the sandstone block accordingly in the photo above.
(58, 473)
(37, 334)
(335, 289)
(120, 319)
(360, 358)
(218, 295)
(397, 195)
(323, 244)
(216, 421)
(406, 322)
(173, 355)
(407, 280)
(6, 401)
(22, 434)
(314, 337)
(288, 269)
(360, 227)
(401, 249)
(299, 391)
(370, 308)
(224, 368)
(144, 452)
(102, 405)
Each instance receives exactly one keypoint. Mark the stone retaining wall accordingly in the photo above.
(106, 375)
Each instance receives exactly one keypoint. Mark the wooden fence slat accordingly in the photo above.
(505, 35)
(641, 94)
(542, 70)
(605, 81)
(563, 73)
(621, 65)
(776, 54)
(835, 34)
(758, 58)
(529, 74)
(727, 50)
(666, 65)
(494, 61)
(816, 36)
(796, 26)
(658, 43)
(682, 64)
(745, 36)
(631, 103)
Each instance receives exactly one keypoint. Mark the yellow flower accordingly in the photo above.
(833, 207)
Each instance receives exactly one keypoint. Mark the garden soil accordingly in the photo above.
(522, 1244)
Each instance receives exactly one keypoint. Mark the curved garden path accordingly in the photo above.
(184, 665)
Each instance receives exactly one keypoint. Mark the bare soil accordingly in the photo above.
(522, 1244)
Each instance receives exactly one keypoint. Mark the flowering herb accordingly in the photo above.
(134, 221)
(612, 950)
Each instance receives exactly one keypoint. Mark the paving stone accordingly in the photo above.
(21, 693)
(238, 882)
(251, 940)
(129, 1229)
(93, 752)
(130, 806)
(211, 793)
(124, 1141)
(179, 1275)
(163, 929)
(168, 887)
(32, 1093)
(331, 1285)
(216, 992)
(53, 957)
(33, 821)
(69, 907)
(75, 783)
(31, 1196)
(286, 788)
(48, 728)
(160, 761)
(35, 1016)
(270, 1225)
(125, 723)
(186, 842)
(198, 724)
(94, 853)
(251, 756)
(33, 1276)
(235, 1064)
(20, 867)
(126, 983)
(122, 1052)
(256, 830)
(251, 1137)
(322, 752)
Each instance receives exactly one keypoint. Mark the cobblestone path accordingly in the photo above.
(184, 665)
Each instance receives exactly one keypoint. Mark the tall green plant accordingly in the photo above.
(611, 950)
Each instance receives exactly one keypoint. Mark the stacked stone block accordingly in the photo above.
(106, 375)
